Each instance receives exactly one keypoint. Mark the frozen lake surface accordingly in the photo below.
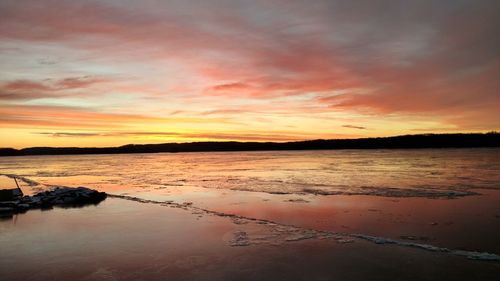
(436, 204)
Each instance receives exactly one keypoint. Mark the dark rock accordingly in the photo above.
(6, 210)
(61, 196)
(10, 194)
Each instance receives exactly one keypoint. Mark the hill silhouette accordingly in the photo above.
(491, 139)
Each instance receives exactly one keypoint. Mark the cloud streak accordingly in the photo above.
(354, 127)
(236, 136)
(67, 117)
(48, 88)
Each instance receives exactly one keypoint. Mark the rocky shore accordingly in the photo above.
(60, 196)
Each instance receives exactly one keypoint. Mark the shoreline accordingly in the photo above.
(421, 141)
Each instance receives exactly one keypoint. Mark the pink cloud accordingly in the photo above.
(27, 89)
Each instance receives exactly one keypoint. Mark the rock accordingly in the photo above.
(8, 204)
(10, 194)
(7, 210)
(60, 196)
(23, 206)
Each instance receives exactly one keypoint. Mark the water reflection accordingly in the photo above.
(276, 172)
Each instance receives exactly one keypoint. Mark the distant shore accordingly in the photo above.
(458, 140)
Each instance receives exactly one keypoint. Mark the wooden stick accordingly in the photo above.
(16, 183)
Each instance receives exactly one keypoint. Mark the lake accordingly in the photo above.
(188, 215)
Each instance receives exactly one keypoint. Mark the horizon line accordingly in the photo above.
(263, 142)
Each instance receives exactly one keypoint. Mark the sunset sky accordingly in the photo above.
(107, 73)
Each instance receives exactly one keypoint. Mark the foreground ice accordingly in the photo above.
(123, 240)
(280, 233)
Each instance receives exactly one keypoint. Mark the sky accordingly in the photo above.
(108, 73)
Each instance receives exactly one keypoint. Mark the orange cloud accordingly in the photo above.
(231, 136)
(67, 117)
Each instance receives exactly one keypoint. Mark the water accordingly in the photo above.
(299, 202)
(393, 173)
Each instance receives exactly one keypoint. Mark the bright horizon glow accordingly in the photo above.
(109, 73)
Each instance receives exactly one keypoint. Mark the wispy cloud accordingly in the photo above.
(236, 136)
(31, 89)
(61, 116)
(68, 134)
(354, 127)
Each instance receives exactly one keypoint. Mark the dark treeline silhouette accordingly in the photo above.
(491, 139)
